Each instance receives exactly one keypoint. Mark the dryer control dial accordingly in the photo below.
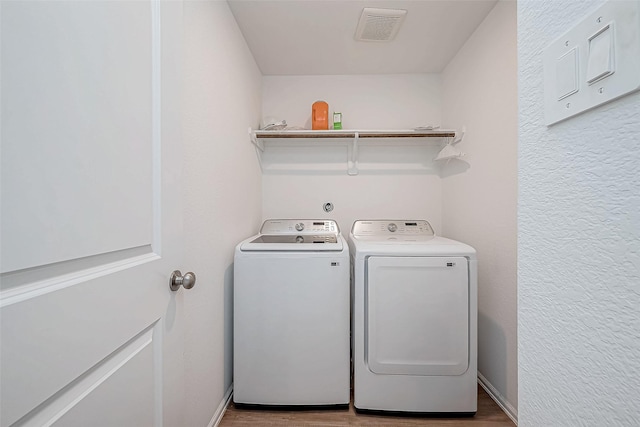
(392, 227)
(300, 226)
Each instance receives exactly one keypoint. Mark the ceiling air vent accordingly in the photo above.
(379, 25)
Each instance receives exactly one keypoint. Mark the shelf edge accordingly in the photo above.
(303, 134)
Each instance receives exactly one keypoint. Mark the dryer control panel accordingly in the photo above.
(299, 226)
(390, 228)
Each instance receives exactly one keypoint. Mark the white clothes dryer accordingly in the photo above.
(414, 325)
(291, 316)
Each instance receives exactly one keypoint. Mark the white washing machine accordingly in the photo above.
(414, 319)
(291, 315)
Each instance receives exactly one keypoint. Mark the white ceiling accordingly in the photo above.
(316, 37)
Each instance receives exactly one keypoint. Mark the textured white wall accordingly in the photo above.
(479, 88)
(222, 192)
(367, 102)
(578, 245)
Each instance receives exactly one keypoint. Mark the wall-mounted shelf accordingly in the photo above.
(351, 139)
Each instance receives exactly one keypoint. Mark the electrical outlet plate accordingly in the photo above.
(595, 62)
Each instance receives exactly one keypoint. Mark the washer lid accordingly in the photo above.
(293, 243)
(296, 235)
(393, 230)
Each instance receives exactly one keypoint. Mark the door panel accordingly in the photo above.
(126, 375)
(51, 340)
(91, 219)
(417, 315)
(77, 92)
(129, 381)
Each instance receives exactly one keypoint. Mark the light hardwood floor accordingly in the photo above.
(489, 415)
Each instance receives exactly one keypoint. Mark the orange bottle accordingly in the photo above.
(320, 116)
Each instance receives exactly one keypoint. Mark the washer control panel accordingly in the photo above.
(299, 226)
(390, 228)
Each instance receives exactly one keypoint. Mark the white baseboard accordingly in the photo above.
(498, 398)
(222, 408)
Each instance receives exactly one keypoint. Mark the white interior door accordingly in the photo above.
(91, 219)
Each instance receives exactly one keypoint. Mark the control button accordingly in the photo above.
(300, 226)
(600, 63)
(392, 227)
(567, 74)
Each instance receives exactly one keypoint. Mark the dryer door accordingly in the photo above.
(417, 315)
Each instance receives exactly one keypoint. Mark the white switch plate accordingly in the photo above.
(623, 20)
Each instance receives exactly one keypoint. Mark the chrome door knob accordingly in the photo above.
(187, 281)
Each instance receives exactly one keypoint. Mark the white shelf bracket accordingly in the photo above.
(352, 163)
(255, 141)
(448, 151)
(459, 136)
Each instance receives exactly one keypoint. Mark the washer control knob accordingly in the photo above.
(300, 226)
(392, 227)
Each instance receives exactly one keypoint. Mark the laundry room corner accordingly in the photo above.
(222, 194)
